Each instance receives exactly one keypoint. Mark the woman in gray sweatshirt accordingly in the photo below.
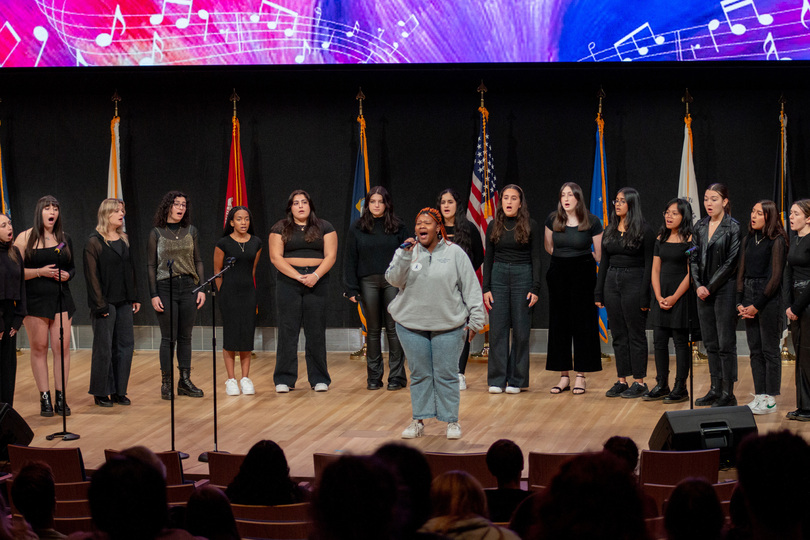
(438, 306)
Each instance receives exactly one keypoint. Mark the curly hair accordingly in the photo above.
(165, 206)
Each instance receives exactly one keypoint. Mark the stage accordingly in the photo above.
(349, 418)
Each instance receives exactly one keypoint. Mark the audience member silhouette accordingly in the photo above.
(740, 528)
(354, 500)
(34, 496)
(209, 514)
(460, 509)
(413, 476)
(505, 462)
(626, 450)
(693, 512)
(264, 478)
(774, 478)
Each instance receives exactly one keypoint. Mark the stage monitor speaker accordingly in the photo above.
(13, 430)
(699, 429)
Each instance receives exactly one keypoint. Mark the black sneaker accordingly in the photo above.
(635, 391)
(616, 390)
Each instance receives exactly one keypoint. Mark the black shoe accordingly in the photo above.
(121, 400)
(678, 393)
(712, 395)
(799, 414)
(395, 386)
(727, 398)
(45, 405)
(376, 385)
(658, 392)
(616, 390)
(58, 405)
(185, 387)
(165, 385)
(103, 401)
(635, 391)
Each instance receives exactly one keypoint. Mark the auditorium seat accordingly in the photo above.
(655, 528)
(66, 463)
(669, 467)
(473, 463)
(320, 461)
(72, 509)
(72, 491)
(71, 525)
(659, 493)
(543, 466)
(274, 529)
(283, 512)
(724, 490)
(223, 467)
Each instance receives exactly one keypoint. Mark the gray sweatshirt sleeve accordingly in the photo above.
(471, 293)
(397, 273)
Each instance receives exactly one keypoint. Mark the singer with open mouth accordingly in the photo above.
(173, 242)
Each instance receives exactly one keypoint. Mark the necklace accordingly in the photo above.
(760, 240)
(176, 237)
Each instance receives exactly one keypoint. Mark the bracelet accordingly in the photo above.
(316, 275)
(38, 273)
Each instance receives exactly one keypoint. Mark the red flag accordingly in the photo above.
(236, 194)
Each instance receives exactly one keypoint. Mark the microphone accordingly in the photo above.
(690, 250)
(230, 262)
(169, 263)
(406, 245)
(59, 247)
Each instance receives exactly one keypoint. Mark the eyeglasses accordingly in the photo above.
(179, 205)
(671, 214)
(619, 202)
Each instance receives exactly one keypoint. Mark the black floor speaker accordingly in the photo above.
(13, 430)
(699, 429)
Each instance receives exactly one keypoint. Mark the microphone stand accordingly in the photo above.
(170, 266)
(65, 435)
(228, 265)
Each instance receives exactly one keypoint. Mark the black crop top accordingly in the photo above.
(296, 246)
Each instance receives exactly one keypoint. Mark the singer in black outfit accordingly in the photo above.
(174, 239)
(113, 300)
(623, 286)
(797, 296)
(12, 308)
(465, 235)
(38, 246)
(370, 245)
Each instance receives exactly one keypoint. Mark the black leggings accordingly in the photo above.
(375, 294)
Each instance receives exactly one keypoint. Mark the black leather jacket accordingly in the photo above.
(715, 261)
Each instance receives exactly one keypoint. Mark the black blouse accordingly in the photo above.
(761, 258)
(369, 253)
(109, 273)
(508, 250)
(12, 285)
(615, 254)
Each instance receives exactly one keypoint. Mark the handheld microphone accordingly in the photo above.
(59, 247)
(230, 261)
(690, 250)
(406, 245)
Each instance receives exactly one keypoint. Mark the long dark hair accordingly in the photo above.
(685, 229)
(582, 213)
(263, 478)
(312, 230)
(165, 206)
(773, 226)
(522, 227)
(722, 190)
(634, 221)
(461, 229)
(392, 221)
(12, 251)
(38, 230)
(229, 228)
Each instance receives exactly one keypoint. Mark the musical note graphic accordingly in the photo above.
(183, 22)
(714, 24)
(591, 47)
(305, 50)
(157, 48)
(41, 35)
(805, 11)
(328, 42)
(693, 47)
(104, 40)
(204, 15)
(738, 29)
(632, 37)
(407, 26)
(279, 11)
(354, 29)
(769, 48)
(80, 61)
(10, 29)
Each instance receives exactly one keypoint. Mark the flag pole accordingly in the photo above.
(600, 124)
(361, 353)
(786, 355)
(483, 354)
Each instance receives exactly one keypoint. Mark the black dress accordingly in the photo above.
(237, 299)
(42, 293)
(673, 269)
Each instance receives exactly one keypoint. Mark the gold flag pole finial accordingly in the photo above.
(782, 102)
(687, 99)
(234, 98)
(115, 99)
(601, 95)
(360, 97)
(481, 90)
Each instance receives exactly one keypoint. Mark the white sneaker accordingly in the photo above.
(767, 405)
(282, 388)
(755, 402)
(415, 429)
(321, 387)
(495, 390)
(231, 388)
(462, 382)
(247, 386)
(512, 390)
(453, 430)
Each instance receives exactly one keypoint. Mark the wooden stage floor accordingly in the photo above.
(350, 418)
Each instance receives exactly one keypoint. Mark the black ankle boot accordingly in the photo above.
(165, 385)
(678, 393)
(45, 405)
(185, 387)
(712, 395)
(659, 391)
(727, 398)
(58, 405)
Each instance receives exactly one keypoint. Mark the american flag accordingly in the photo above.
(483, 190)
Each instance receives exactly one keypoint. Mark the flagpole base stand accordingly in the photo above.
(697, 356)
(606, 357)
(359, 354)
(788, 358)
(482, 355)
(64, 435)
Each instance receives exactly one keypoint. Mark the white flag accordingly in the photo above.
(687, 183)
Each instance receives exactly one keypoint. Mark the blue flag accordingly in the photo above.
(599, 207)
(360, 174)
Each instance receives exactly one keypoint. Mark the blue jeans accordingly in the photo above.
(113, 345)
(628, 322)
(763, 333)
(509, 363)
(433, 360)
(718, 326)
